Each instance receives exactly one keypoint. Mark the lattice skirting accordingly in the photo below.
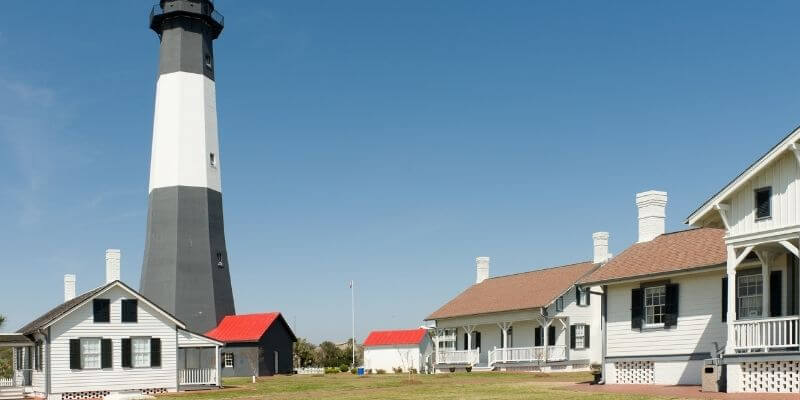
(154, 391)
(771, 376)
(98, 394)
(635, 372)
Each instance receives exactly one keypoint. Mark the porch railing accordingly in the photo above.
(4, 382)
(197, 376)
(527, 354)
(766, 334)
(468, 357)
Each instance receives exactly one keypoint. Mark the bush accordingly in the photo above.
(469, 369)
(412, 370)
(397, 370)
(381, 371)
(331, 370)
(344, 368)
(353, 370)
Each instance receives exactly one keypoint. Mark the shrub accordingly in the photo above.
(344, 368)
(353, 370)
(381, 371)
(469, 369)
(412, 370)
(397, 370)
(331, 370)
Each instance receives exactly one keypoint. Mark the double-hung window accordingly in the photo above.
(580, 336)
(750, 289)
(654, 303)
(228, 359)
(141, 352)
(90, 353)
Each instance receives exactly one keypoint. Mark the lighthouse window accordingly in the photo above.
(212, 160)
(208, 62)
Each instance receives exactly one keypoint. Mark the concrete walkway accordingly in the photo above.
(680, 392)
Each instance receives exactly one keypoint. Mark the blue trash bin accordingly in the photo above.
(360, 371)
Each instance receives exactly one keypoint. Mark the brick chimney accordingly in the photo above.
(481, 269)
(69, 287)
(600, 240)
(652, 207)
(112, 265)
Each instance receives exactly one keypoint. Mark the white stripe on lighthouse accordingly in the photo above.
(185, 145)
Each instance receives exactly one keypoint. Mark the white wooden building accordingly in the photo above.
(663, 313)
(759, 210)
(398, 349)
(107, 341)
(531, 321)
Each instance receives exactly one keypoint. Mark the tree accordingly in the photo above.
(329, 355)
(304, 353)
(6, 357)
(2, 319)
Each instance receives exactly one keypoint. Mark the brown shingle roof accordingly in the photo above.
(514, 292)
(671, 252)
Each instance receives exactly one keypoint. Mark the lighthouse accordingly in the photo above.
(185, 268)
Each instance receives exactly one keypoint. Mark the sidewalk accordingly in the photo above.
(682, 392)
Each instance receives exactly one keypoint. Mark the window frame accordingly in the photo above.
(650, 309)
(560, 304)
(99, 354)
(226, 358)
(147, 340)
(135, 308)
(108, 311)
(756, 192)
(580, 336)
(759, 307)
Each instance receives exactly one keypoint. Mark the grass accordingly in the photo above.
(345, 386)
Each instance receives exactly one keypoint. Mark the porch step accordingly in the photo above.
(12, 393)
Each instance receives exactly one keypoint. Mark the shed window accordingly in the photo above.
(90, 353)
(763, 203)
(228, 360)
(654, 301)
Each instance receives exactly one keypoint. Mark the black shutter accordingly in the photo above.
(105, 353)
(724, 299)
(502, 342)
(578, 295)
(129, 310)
(126, 352)
(586, 336)
(155, 352)
(537, 337)
(74, 354)
(671, 306)
(775, 286)
(101, 310)
(551, 335)
(572, 337)
(637, 308)
(588, 296)
(466, 341)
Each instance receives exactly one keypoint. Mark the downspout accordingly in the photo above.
(603, 327)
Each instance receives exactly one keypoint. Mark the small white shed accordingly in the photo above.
(404, 349)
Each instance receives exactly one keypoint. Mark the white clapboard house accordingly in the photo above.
(531, 321)
(109, 341)
(759, 211)
(664, 311)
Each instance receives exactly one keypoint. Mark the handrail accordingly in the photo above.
(766, 333)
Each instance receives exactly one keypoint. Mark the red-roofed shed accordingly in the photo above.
(404, 348)
(263, 342)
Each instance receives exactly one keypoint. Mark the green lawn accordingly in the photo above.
(495, 386)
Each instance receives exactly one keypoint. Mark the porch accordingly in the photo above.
(20, 382)
(198, 361)
(538, 340)
(762, 296)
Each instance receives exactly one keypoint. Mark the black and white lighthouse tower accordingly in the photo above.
(185, 268)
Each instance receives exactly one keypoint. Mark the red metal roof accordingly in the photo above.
(243, 328)
(389, 338)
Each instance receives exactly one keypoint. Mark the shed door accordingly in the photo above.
(275, 371)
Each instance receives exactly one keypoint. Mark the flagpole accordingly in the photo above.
(353, 311)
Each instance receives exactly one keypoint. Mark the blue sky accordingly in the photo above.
(382, 141)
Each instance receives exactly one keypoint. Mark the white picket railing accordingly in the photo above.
(310, 371)
(469, 357)
(197, 376)
(530, 354)
(765, 334)
(5, 382)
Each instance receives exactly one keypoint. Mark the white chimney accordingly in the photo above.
(112, 265)
(652, 213)
(69, 287)
(601, 253)
(482, 269)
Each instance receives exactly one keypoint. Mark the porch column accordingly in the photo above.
(469, 329)
(216, 366)
(731, 317)
(766, 265)
(546, 339)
